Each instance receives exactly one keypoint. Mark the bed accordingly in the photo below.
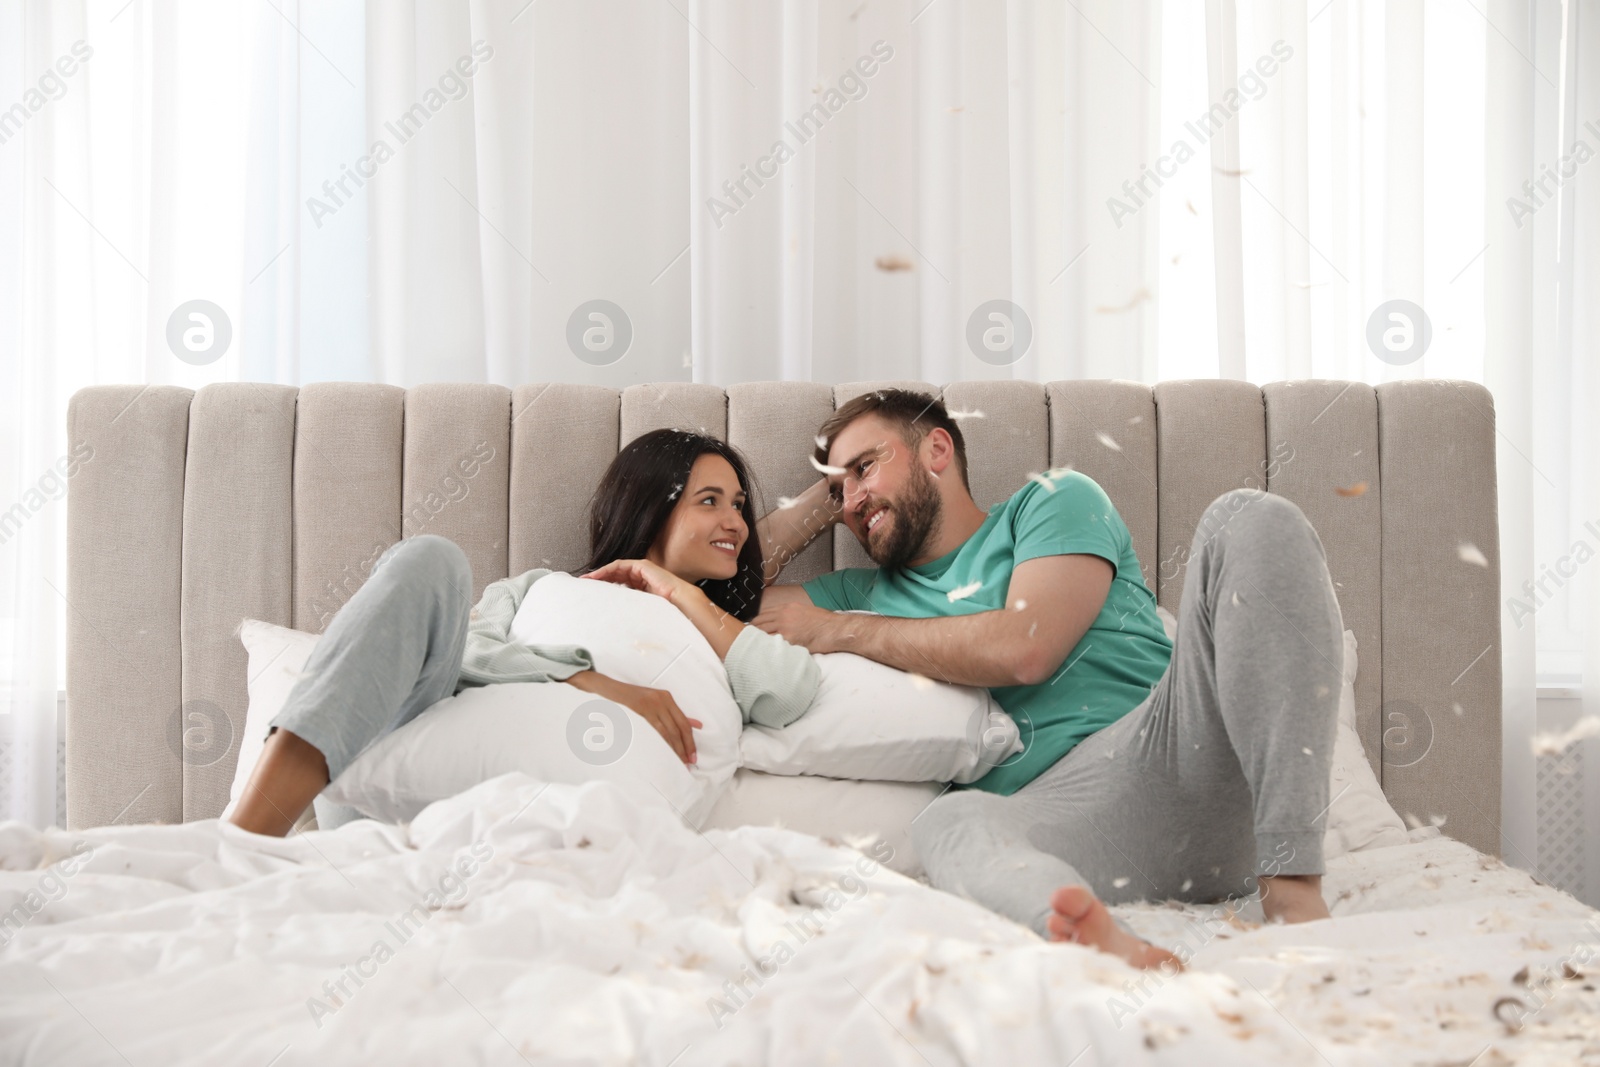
(592, 930)
(569, 925)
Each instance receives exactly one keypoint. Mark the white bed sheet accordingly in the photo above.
(597, 931)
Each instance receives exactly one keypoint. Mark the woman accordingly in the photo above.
(673, 515)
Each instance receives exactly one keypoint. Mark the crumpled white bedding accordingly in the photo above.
(576, 927)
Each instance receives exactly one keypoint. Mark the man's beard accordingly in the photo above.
(916, 520)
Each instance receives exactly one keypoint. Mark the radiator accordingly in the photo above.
(5, 776)
(1563, 851)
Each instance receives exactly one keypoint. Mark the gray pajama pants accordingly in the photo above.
(1219, 776)
(392, 652)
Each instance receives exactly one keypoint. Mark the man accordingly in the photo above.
(1193, 770)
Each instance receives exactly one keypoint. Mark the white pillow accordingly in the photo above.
(548, 730)
(277, 655)
(1359, 815)
(485, 731)
(640, 638)
(876, 723)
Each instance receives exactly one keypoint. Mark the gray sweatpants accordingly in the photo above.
(1221, 774)
(393, 651)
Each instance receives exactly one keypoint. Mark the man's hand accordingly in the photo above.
(807, 625)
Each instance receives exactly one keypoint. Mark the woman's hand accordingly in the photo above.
(718, 627)
(646, 576)
(654, 706)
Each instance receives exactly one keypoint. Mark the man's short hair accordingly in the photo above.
(913, 414)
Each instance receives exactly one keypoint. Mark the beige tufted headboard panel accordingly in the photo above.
(246, 500)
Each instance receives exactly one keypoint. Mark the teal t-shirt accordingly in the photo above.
(1107, 674)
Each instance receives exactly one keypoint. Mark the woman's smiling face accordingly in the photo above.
(706, 530)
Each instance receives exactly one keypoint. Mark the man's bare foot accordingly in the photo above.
(1081, 917)
(1293, 898)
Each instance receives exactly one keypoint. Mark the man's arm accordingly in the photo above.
(777, 595)
(785, 532)
(1051, 603)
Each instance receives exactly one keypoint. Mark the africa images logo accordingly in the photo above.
(454, 84)
(849, 87)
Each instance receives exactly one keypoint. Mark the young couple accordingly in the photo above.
(1194, 769)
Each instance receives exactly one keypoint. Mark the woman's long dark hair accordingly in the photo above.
(638, 492)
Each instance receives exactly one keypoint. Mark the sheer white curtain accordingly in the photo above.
(1581, 64)
(808, 190)
(1566, 385)
(817, 189)
(963, 158)
(123, 163)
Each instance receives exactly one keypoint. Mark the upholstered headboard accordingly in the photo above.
(199, 509)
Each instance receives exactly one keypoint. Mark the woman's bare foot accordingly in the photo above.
(1293, 898)
(1081, 917)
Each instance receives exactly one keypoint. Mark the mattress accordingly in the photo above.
(567, 925)
(863, 813)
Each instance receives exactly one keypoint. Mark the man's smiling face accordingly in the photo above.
(890, 500)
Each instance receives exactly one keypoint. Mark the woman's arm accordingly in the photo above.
(773, 681)
(655, 706)
(715, 625)
(492, 656)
